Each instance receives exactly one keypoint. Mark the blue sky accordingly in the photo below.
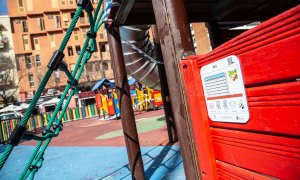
(3, 7)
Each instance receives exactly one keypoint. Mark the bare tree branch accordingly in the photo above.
(8, 84)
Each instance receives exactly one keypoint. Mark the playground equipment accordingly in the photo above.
(233, 141)
(151, 100)
(37, 122)
(55, 124)
(104, 109)
(138, 65)
(176, 43)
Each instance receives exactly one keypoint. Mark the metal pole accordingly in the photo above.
(127, 115)
(172, 132)
(175, 39)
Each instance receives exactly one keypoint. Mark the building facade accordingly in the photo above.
(8, 72)
(38, 27)
(200, 37)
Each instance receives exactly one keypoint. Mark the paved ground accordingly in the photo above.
(93, 149)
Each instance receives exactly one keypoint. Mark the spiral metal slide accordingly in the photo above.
(138, 66)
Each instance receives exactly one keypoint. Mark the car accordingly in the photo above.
(12, 115)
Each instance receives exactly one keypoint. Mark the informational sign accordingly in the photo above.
(224, 91)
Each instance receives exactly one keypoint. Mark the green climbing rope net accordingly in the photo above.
(55, 124)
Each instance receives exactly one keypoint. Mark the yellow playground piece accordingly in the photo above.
(142, 100)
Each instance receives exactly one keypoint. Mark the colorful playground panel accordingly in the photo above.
(39, 121)
(266, 145)
(104, 108)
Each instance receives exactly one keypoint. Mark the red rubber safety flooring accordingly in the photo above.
(85, 132)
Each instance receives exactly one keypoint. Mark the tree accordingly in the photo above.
(9, 83)
(53, 82)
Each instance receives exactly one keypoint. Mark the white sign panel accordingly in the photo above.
(224, 91)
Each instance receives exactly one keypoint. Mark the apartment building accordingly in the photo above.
(38, 27)
(200, 37)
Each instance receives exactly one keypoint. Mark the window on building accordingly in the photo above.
(28, 61)
(84, 31)
(24, 26)
(89, 67)
(82, 14)
(26, 43)
(101, 36)
(52, 40)
(70, 51)
(57, 22)
(63, 2)
(36, 42)
(18, 62)
(66, 23)
(21, 5)
(72, 14)
(71, 2)
(42, 24)
(38, 60)
(77, 49)
(82, 18)
(105, 65)
(97, 66)
(102, 47)
(76, 36)
(31, 80)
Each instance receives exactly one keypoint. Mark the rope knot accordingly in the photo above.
(91, 35)
(47, 132)
(57, 126)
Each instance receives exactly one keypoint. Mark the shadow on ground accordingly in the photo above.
(157, 164)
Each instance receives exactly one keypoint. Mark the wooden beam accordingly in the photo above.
(124, 10)
(175, 39)
(127, 114)
(165, 93)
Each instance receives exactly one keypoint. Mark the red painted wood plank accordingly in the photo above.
(277, 62)
(279, 27)
(278, 116)
(225, 168)
(200, 128)
(273, 155)
(269, 143)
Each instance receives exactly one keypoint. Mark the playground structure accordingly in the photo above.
(198, 135)
(104, 109)
(136, 45)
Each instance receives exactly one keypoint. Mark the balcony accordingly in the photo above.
(38, 32)
(34, 13)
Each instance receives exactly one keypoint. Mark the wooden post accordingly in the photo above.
(165, 94)
(175, 39)
(127, 114)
